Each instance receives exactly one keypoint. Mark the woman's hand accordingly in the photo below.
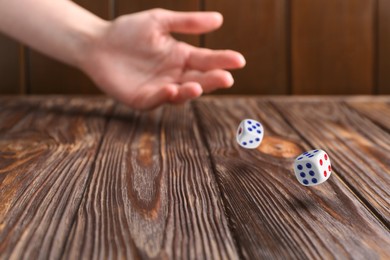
(136, 60)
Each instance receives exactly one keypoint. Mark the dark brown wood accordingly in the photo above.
(9, 66)
(47, 151)
(271, 215)
(152, 193)
(291, 47)
(132, 6)
(102, 8)
(333, 46)
(378, 112)
(360, 150)
(84, 178)
(128, 6)
(257, 29)
(49, 76)
(383, 46)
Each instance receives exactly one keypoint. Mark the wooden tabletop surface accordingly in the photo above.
(87, 178)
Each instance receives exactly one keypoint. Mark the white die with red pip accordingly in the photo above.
(250, 133)
(312, 167)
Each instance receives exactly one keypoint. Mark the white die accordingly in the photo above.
(312, 167)
(250, 133)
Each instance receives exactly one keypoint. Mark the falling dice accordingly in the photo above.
(312, 167)
(249, 133)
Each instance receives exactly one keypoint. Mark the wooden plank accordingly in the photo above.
(257, 29)
(270, 213)
(131, 6)
(383, 47)
(49, 76)
(9, 66)
(378, 112)
(128, 6)
(360, 150)
(332, 46)
(102, 8)
(152, 193)
(47, 150)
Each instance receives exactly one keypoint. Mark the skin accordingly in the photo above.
(133, 58)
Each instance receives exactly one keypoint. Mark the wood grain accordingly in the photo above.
(383, 46)
(132, 6)
(152, 193)
(333, 46)
(359, 149)
(378, 112)
(88, 179)
(47, 150)
(270, 214)
(49, 76)
(9, 66)
(257, 29)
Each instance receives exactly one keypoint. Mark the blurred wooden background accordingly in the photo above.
(291, 47)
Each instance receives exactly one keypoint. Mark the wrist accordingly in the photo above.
(88, 37)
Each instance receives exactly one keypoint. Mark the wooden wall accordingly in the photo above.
(291, 47)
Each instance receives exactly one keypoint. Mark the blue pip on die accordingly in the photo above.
(249, 133)
(312, 167)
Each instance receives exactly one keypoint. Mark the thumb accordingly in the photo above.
(188, 22)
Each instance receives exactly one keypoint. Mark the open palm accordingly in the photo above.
(137, 61)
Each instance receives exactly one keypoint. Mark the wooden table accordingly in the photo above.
(85, 178)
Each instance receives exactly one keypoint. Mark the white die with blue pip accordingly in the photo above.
(312, 167)
(250, 133)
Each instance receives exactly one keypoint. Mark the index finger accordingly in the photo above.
(188, 22)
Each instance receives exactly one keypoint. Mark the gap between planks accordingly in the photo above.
(90, 173)
(213, 168)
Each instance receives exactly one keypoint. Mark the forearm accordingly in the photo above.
(58, 28)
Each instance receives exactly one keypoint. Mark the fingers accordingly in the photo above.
(210, 80)
(188, 22)
(187, 91)
(197, 82)
(206, 59)
(152, 97)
